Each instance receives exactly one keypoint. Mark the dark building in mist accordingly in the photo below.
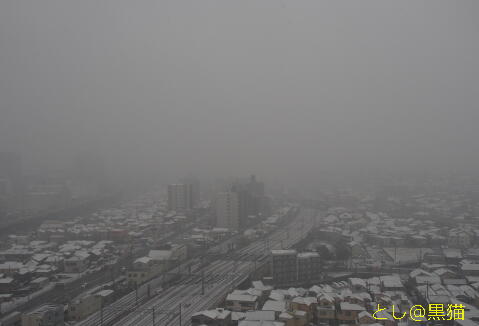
(180, 197)
(288, 266)
(309, 266)
(227, 210)
(195, 188)
(251, 199)
(245, 203)
(284, 266)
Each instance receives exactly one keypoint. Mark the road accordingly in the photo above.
(220, 276)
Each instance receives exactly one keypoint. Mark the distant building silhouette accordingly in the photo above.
(227, 210)
(195, 188)
(180, 197)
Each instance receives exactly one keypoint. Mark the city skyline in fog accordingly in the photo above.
(284, 90)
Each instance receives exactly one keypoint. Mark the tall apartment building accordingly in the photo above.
(227, 210)
(288, 266)
(283, 266)
(309, 266)
(251, 198)
(195, 188)
(180, 197)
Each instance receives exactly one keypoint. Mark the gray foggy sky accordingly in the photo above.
(279, 88)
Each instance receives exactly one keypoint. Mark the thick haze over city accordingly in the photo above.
(239, 163)
(289, 90)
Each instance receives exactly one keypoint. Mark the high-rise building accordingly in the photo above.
(284, 266)
(289, 266)
(251, 199)
(245, 201)
(195, 188)
(309, 266)
(227, 210)
(180, 197)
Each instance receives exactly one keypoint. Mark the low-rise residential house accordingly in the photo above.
(391, 283)
(260, 315)
(214, 317)
(460, 238)
(252, 291)
(420, 280)
(39, 282)
(326, 313)
(177, 253)
(472, 253)
(16, 253)
(241, 302)
(7, 285)
(357, 284)
(434, 258)
(362, 298)
(45, 270)
(5, 298)
(75, 264)
(383, 317)
(348, 312)
(306, 304)
(11, 267)
(260, 323)
(286, 318)
(445, 273)
(469, 269)
(277, 306)
(453, 256)
(365, 318)
(143, 270)
(300, 318)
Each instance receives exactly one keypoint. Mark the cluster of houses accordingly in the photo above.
(377, 229)
(30, 266)
(156, 262)
(353, 301)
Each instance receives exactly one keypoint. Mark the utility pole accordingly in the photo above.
(395, 254)
(427, 290)
(179, 307)
(202, 282)
(112, 277)
(101, 314)
(136, 294)
(153, 315)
